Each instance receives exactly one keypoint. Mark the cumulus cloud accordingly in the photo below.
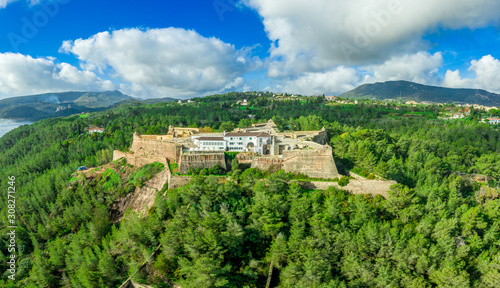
(486, 71)
(311, 36)
(337, 80)
(4, 3)
(453, 79)
(21, 75)
(171, 60)
(421, 67)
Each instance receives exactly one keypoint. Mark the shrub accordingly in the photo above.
(344, 180)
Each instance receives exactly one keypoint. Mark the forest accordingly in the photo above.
(438, 227)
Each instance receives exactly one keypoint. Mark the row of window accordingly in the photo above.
(235, 148)
(213, 143)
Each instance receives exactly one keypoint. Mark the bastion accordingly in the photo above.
(261, 146)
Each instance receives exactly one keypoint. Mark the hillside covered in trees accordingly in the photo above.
(438, 228)
(409, 91)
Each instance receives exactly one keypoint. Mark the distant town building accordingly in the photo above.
(493, 121)
(242, 103)
(93, 129)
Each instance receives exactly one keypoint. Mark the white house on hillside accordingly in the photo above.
(493, 121)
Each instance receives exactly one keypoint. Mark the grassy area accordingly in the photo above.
(75, 177)
(83, 115)
(363, 173)
(110, 179)
(302, 177)
(145, 173)
(174, 167)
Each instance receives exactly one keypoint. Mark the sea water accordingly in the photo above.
(6, 125)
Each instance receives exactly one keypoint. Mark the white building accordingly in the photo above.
(235, 142)
(210, 143)
(95, 130)
(247, 141)
(493, 121)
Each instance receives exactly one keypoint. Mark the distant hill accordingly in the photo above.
(158, 100)
(405, 90)
(36, 107)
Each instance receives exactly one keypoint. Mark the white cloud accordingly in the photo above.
(22, 75)
(453, 79)
(337, 80)
(487, 71)
(316, 35)
(4, 3)
(158, 61)
(421, 67)
(487, 75)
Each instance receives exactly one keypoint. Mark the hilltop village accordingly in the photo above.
(260, 146)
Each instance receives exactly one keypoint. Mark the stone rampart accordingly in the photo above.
(137, 160)
(373, 187)
(313, 163)
(271, 163)
(178, 181)
(201, 160)
(155, 146)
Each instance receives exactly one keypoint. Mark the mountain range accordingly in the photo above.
(36, 107)
(404, 90)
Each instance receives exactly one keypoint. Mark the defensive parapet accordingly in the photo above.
(313, 163)
(201, 159)
(156, 145)
(271, 163)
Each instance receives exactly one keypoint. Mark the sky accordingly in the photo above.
(190, 48)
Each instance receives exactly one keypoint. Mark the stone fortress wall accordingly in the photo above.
(156, 145)
(302, 152)
(201, 160)
(295, 151)
(313, 163)
(138, 160)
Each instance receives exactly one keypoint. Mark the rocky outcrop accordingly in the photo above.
(143, 198)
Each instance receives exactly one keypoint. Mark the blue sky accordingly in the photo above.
(191, 47)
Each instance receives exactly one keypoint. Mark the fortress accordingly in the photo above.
(260, 146)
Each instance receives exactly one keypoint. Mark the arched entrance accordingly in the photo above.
(250, 147)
